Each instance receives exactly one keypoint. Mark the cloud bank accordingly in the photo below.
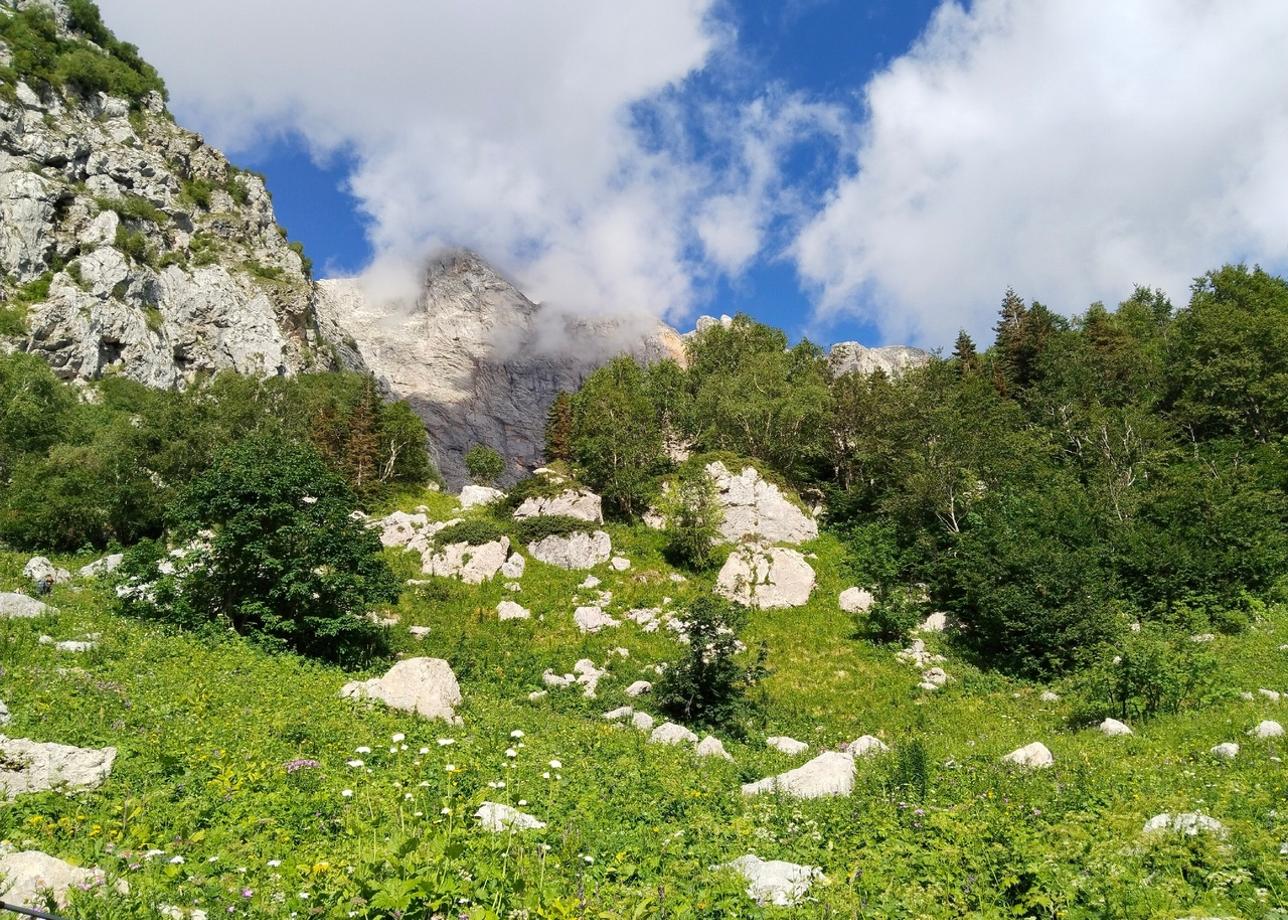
(1067, 148)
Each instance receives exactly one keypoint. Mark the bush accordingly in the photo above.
(132, 207)
(1150, 672)
(133, 244)
(485, 465)
(530, 530)
(274, 555)
(895, 614)
(475, 532)
(693, 517)
(706, 684)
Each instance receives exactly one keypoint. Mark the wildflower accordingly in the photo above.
(546, 775)
(423, 751)
(177, 860)
(304, 895)
(274, 863)
(445, 811)
(362, 749)
(398, 736)
(450, 768)
(424, 784)
(511, 752)
(247, 892)
(556, 765)
(517, 733)
(347, 793)
(590, 860)
(355, 763)
(408, 796)
(498, 784)
(303, 763)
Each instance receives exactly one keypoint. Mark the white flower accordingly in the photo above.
(423, 751)
(304, 895)
(354, 763)
(546, 775)
(418, 814)
(424, 784)
(589, 859)
(398, 736)
(496, 784)
(362, 749)
(408, 796)
(347, 793)
(446, 811)
(556, 765)
(444, 742)
(177, 860)
(511, 752)
(450, 768)
(517, 733)
(274, 863)
(522, 802)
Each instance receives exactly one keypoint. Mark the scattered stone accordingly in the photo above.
(578, 550)
(592, 620)
(74, 646)
(856, 600)
(400, 528)
(639, 688)
(866, 746)
(513, 586)
(782, 884)
(103, 566)
(31, 878)
(1272, 695)
(710, 746)
(677, 578)
(1033, 756)
(620, 563)
(514, 566)
(1268, 728)
(425, 686)
(935, 623)
(642, 721)
(44, 574)
(588, 676)
(590, 583)
(933, 678)
(537, 695)
(471, 564)
(4, 713)
(497, 818)
(574, 503)
(672, 733)
(829, 774)
(1227, 750)
(617, 715)
(754, 507)
(20, 606)
(1049, 696)
(918, 656)
(551, 679)
(766, 577)
(1189, 823)
(509, 610)
(473, 496)
(787, 745)
(36, 766)
(418, 632)
(1113, 727)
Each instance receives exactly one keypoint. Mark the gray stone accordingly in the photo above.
(1113, 727)
(1189, 823)
(782, 884)
(1227, 750)
(514, 567)
(574, 503)
(104, 566)
(1033, 756)
(893, 360)
(592, 620)
(856, 600)
(766, 577)
(4, 713)
(672, 733)
(578, 550)
(866, 746)
(36, 766)
(425, 686)
(787, 745)
(476, 496)
(754, 507)
(620, 563)
(499, 818)
(1267, 728)
(639, 688)
(509, 610)
(20, 606)
(710, 746)
(471, 564)
(32, 878)
(642, 721)
(40, 571)
(829, 774)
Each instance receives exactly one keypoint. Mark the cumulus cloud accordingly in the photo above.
(507, 126)
(1069, 149)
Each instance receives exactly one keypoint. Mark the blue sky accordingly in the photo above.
(880, 170)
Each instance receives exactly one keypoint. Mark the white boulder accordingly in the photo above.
(400, 528)
(1267, 728)
(592, 620)
(36, 766)
(41, 572)
(620, 563)
(856, 600)
(782, 884)
(1033, 756)
(509, 610)
(829, 774)
(766, 577)
(639, 688)
(642, 721)
(754, 507)
(32, 878)
(574, 503)
(1113, 727)
(498, 818)
(425, 686)
(20, 606)
(619, 714)
(471, 564)
(514, 566)
(1049, 696)
(866, 746)
(787, 745)
(936, 622)
(1227, 750)
(710, 746)
(578, 550)
(104, 566)
(474, 496)
(672, 733)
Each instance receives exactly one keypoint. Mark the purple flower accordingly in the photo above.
(247, 892)
(304, 763)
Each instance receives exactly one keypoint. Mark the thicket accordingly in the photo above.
(82, 467)
(1076, 476)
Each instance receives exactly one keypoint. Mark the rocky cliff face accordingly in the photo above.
(129, 245)
(479, 361)
(847, 357)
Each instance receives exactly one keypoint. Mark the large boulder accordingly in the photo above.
(766, 577)
(1188, 823)
(425, 686)
(1033, 756)
(773, 881)
(43, 573)
(21, 607)
(498, 818)
(592, 620)
(474, 496)
(755, 507)
(30, 878)
(105, 566)
(37, 766)
(577, 550)
(829, 774)
(400, 528)
(575, 503)
(471, 564)
(856, 600)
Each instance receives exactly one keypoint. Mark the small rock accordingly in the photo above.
(1267, 728)
(866, 746)
(1049, 696)
(425, 686)
(1114, 727)
(592, 620)
(672, 733)
(710, 746)
(775, 882)
(590, 583)
(20, 606)
(642, 721)
(677, 578)
(617, 715)
(620, 563)
(1190, 823)
(856, 600)
(4, 713)
(787, 745)
(537, 695)
(588, 676)
(1272, 695)
(513, 586)
(514, 567)
(933, 678)
(473, 496)
(935, 623)
(551, 679)
(1033, 756)
(418, 632)
(639, 688)
(497, 818)
(509, 610)
(1227, 750)
(829, 774)
(103, 566)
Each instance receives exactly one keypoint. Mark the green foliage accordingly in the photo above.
(1148, 673)
(559, 421)
(198, 192)
(306, 264)
(910, 778)
(133, 208)
(264, 272)
(238, 190)
(134, 244)
(287, 566)
(533, 529)
(693, 517)
(474, 531)
(894, 615)
(484, 463)
(707, 684)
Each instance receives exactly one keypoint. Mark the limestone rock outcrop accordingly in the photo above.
(28, 878)
(774, 881)
(892, 360)
(577, 550)
(752, 506)
(425, 686)
(35, 766)
(766, 577)
(829, 774)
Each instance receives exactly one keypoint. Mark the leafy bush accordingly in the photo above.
(275, 555)
(306, 264)
(198, 191)
(484, 464)
(1150, 672)
(706, 684)
(475, 532)
(533, 529)
(896, 612)
(693, 517)
(910, 776)
(265, 272)
(133, 244)
(132, 207)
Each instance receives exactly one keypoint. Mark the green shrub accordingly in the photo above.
(533, 529)
(484, 463)
(896, 612)
(306, 264)
(264, 272)
(286, 565)
(133, 244)
(198, 192)
(237, 190)
(35, 291)
(706, 684)
(910, 776)
(1150, 672)
(475, 532)
(132, 207)
(693, 516)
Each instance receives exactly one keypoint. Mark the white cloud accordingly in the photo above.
(504, 125)
(1067, 148)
